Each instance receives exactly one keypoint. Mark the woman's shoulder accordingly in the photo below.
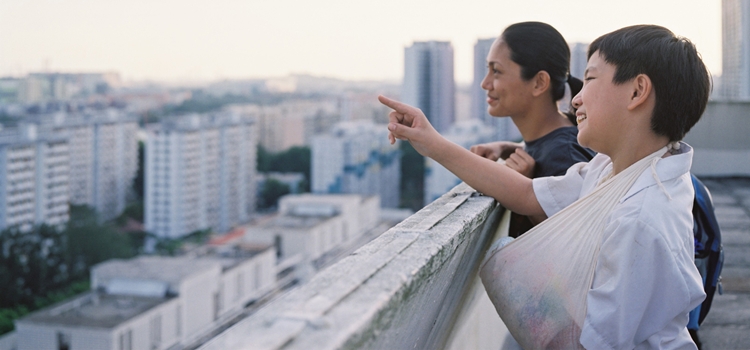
(558, 151)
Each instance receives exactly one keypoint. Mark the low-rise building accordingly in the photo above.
(153, 302)
(309, 226)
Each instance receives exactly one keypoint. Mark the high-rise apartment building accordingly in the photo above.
(429, 82)
(200, 174)
(578, 59)
(438, 180)
(103, 147)
(504, 129)
(355, 157)
(735, 35)
(33, 178)
(291, 123)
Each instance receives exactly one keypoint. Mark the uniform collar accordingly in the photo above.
(667, 169)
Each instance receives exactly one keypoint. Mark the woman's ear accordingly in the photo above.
(541, 83)
(640, 92)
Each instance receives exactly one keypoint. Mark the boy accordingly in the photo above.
(644, 88)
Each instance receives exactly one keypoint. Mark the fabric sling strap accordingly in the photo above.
(539, 282)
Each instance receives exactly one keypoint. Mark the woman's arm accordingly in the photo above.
(513, 190)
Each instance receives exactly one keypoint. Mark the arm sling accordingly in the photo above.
(539, 282)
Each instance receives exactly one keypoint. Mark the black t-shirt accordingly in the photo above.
(553, 154)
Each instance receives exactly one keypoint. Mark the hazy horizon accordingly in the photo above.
(200, 41)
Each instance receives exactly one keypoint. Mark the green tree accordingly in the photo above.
(412, 177)
(294, 160)
(264, 159)
(31, 264)
(91, 242)
(48, 264)
(139, 181)
(271, 192)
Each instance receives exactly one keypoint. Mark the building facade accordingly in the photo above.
(311, 227)
(578, 59)
(103, 147)
(735, 37)
(34, 174)
(439, 180)
(200, 174)
(356, 158)
(503, 127)
(291, 123)
(429, 81)
(153, 302)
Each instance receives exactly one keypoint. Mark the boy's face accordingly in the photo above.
(601, 105)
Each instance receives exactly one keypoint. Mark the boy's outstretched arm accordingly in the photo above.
(513, 190)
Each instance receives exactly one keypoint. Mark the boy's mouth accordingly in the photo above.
(580, 118)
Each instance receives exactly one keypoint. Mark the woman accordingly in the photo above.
(528, 68)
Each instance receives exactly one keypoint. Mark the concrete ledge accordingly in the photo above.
(403, 290)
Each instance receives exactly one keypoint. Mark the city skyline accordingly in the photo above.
(198, 40)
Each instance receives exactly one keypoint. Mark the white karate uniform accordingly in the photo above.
(645, 281)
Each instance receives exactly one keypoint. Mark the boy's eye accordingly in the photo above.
(588, 78)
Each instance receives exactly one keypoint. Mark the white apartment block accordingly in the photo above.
(735, 35)
(429, 81)
(291, 123)
(200, 174)
(153, 302)
(103, 147)
(308, 225)
(579, 58)
(356, 157)
(438, 180)
(34, 174)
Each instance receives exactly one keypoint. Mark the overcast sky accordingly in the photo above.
(189, 40)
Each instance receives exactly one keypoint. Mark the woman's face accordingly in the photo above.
(507, 93)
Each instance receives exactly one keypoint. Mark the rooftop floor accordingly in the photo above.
(727, 325)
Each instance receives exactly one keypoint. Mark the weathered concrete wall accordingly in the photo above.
(404, 290)
(721, 140)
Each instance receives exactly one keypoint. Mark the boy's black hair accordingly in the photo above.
(680, 79)
(537, 46)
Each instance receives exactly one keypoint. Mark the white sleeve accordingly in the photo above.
(557, 192)
(639, 296)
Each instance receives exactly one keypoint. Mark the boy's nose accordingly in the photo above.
(577, 101)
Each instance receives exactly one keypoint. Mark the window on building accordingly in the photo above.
(178, 320)
(257, 277)
(240, 281)
(63, 341)
(277, 244)
(155, 332)
(126, 340)
(217, 305)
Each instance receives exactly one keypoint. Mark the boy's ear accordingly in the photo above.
(641, 90)
(541, 83)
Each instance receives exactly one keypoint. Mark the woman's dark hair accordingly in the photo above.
(537, 46)
(680, 79)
